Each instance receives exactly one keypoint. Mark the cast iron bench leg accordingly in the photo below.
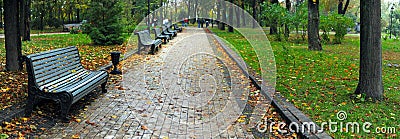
(103, 87)
(65, 103)
(30, 104)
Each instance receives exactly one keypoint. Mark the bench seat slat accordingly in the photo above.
(72, 82)
(62, 79)
(89, 82)
(87, 88)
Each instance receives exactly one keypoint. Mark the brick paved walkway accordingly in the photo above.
(189, 90)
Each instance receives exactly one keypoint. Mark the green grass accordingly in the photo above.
(320, 83)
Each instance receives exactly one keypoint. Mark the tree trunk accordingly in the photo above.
(188, 15)
(342, 10)
(313, 26)
(288, 7)
(1, 14)
(12, 36)
(243, 12)
(370, 77)
(26, 32)
(21, 7)
(274, 26)
(253, 5)
(230, 28)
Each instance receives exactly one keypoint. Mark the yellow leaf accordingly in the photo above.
(240, 120)
(5, 89)
(114, 116)
(24, 119)
(33, 127)
(78, 120)
(76, 136)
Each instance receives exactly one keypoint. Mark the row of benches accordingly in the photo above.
(145, 40)
(58, 74)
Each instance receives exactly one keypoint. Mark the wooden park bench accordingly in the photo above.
(177, 28)
(145, 40)
(158, 35)
(59, 75)
(170, 35)
(168, 30)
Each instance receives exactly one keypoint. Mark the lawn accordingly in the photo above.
(321, 83)
(13, 86)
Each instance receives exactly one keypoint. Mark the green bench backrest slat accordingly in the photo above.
(51, 53)
(53, 73)
(157, 31)
(43, 66)
(55, 76)
(49, 61)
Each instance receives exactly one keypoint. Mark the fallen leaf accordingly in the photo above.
(90, 123)
(144, 127)
(76, 136)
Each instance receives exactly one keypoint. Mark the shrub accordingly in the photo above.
(105, 27)
(335, 22)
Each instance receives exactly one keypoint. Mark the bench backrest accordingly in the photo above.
(50, 66)
(164, 28)
(157, 31)
(144, 37)
(169, 28)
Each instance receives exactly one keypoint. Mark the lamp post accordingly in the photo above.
(391, 21)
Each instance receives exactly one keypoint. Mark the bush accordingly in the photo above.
(337, 23)
(75, 31)
(105, 27)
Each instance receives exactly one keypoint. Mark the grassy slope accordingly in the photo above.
(320, 83)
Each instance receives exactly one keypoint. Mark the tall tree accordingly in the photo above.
(288, 7)
(25, 20)
(342, 10)
(12, 36)
(370, 77)
(243, 12)
(253, 5)
(1, 14)
(313, 25)
(274, 25)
